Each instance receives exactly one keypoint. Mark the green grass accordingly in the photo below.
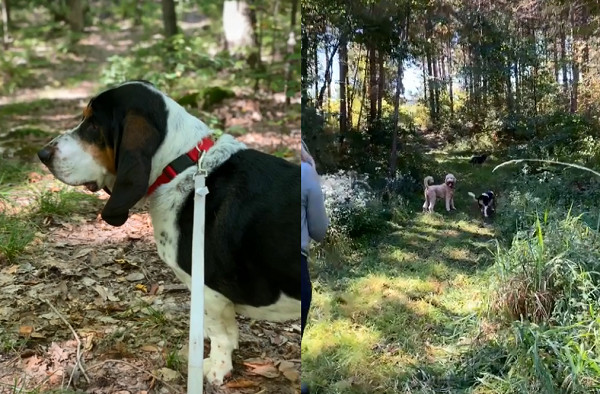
(64, 202)
(396, 313)
(15, 234)
(439, 303)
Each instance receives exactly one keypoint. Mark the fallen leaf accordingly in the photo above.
(88, 281)
(82, 253)
(289, 370)
(149, 348)
(153, 289)
(266, 369)
(25, 331)
(141, 287)
(168, 375)
(135, 276)
(11, 270)
(241, 384)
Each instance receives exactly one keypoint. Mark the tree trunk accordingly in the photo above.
(352, 93)
(239, 22)
(303, 65)
(316, 62)
(510, 105)
(425, 85)
(430, 84)
(75, 15)
(169, 18)
(450, 79)
(329, 60)
(5, 22)
(362, 103)
(556, 62)
(436, 84)
(574, 66)
(394, 151)
(343, 75)
(373, 94)
(563, 61)
(275, 31)
(328, 78)
(380, 84)
(291, 44)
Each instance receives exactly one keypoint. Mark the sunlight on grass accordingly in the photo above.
(352, 342)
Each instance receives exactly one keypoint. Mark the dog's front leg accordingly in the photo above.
(221, 328)
(452, 203)
(448, 199)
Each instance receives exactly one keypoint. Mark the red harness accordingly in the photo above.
(180, 164)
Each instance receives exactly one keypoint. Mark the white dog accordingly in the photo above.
(433, 192)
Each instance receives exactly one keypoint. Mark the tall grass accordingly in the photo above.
(547, 290)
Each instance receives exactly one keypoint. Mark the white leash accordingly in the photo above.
(196, 347)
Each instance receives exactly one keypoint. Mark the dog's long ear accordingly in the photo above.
(136, 141)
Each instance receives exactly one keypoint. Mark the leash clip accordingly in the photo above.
(199, 177)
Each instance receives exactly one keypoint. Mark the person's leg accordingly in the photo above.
(306, 291)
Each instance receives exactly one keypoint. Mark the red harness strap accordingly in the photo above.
(180, 164)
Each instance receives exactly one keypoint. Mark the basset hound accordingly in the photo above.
(137, 143)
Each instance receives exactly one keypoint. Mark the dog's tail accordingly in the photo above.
(427, 181)
(473, 196)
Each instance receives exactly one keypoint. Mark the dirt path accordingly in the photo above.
(83, 287)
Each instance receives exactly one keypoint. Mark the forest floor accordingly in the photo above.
(400, 312)
(75, 289)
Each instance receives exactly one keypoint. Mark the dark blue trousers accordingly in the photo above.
(306, 290)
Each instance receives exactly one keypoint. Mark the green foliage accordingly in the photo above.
(548, 284)
(63, 203)
(15, 233)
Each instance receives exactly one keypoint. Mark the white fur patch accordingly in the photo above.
(73, 165)
(286, 308)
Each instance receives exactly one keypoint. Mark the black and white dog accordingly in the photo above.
(140, 144)
(486, 202)
(478, 159)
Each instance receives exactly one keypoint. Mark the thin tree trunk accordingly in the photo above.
(169, 18)
(327, 83)
(380, 84)
(509, 94)
(316, 61)
(274, 32)
(5, 23)
(304, 65)
(555, 58)
(450, 79)
(373, 94)
(75, 15)
(362, 103)
(343, 60)
(291, 44)
(430, 83)
(436, 84)
(424, 74)
(563, 61)
(574, 67)
(328, 75)
(353, 91)
(394, 151)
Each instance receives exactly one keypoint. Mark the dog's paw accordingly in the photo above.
(215, 372)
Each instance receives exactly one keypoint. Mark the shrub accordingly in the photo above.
(548, 285)
(353, 210)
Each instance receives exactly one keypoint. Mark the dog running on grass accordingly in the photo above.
(478, 159)
(486, 202)
(433, 192)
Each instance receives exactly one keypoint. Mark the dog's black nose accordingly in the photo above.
(45, 155)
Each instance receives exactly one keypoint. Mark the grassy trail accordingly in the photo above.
(398, 313)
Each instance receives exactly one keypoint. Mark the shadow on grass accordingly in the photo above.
(395, 341)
